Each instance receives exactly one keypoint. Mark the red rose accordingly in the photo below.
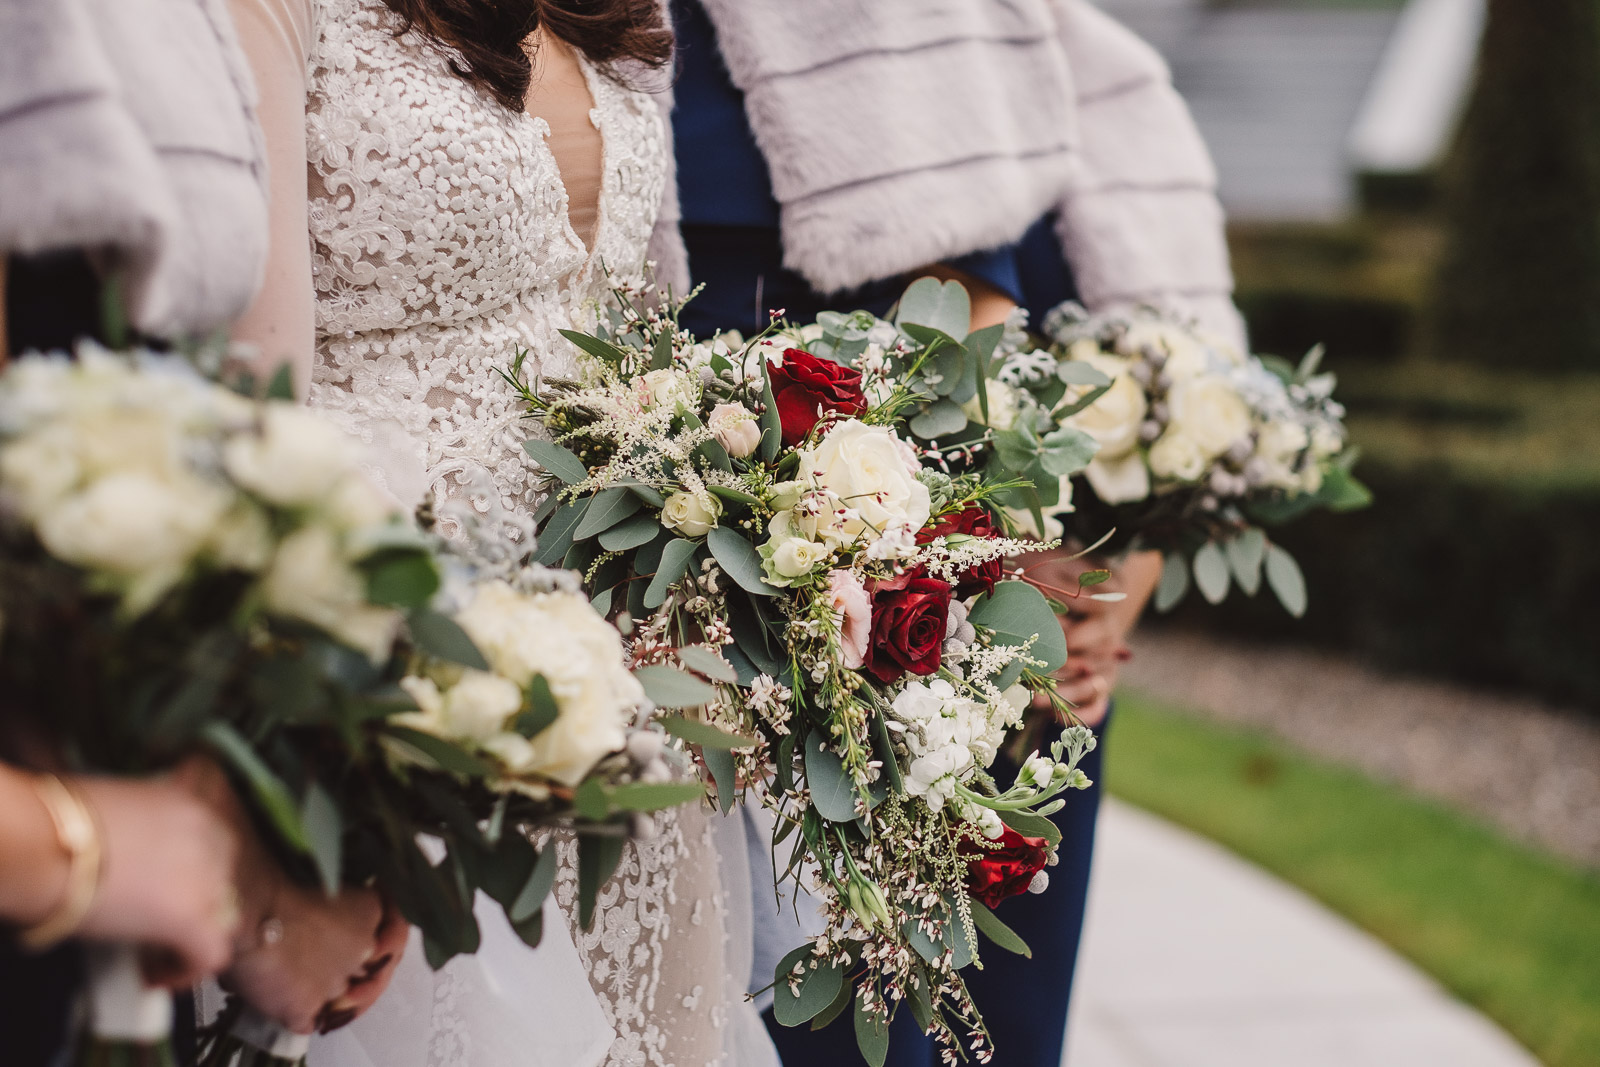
(975, 520)
(993, 874)
(909, 615)
(805, 386)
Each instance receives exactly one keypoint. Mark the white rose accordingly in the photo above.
(865, 467)
(242, 538)
(1209, 413)
(1005, 407)
(797, 557)
(735, 429)
(1177, 457)
(1115, 418)
(1282, 440)
(309, 579)
(691, 515)
(479, 706)
(560, 637)
(296, 460)
(667, 388)
(40, 469)
(1186, 355)
(133, 524)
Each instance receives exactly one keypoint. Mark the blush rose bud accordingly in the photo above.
(735, 429)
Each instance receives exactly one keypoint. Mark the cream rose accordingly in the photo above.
(1115, 418)
(1176, 456)
(797, 557)
(130, 524)
(865, 468)
(560, 637)
(667, 388)
(297, 460)
(735, 429)
(691, 515)
(1005, 407)
(310, 579)
(1210, 413)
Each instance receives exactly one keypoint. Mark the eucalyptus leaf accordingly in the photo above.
(1016, 612)
(724, 773)
(1211, 572)
(268, 790)
(940, 419)
(668, 687)
(654, 796)
(990, 926)
(630, 533)
(555, 536)
(872, 1032)
(818, 988)
(401, 579)
(833, 794)
(1283, 574)
(606, 508)
(559, 461)
(674, 564)
(1174, 582)
(738, 559)
(533, 894)
(1246, 551)
(733, 495)
(943, 306)
(841, 1001)
(541, 711)
(604, 350)
(442, 637)
(441, 753)
(1078, 372)
(702, 659)
(325, 834)
(598, 856)
(704, 734)
(1066, 451)
(661, 354)
(1029, 825)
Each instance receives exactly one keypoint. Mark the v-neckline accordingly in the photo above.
(541, 126)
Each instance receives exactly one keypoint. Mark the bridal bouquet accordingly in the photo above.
(1197, 446)
(183, 568)
(762, 517)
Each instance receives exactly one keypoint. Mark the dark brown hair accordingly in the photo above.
(485, 37)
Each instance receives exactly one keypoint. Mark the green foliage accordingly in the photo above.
(1507, 929)
(1518, 284)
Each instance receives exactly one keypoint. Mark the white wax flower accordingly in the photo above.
(735, 429)
(690, 514)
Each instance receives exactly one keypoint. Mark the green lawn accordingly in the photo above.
(1510, 930)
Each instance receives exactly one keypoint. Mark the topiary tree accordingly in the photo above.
(1519, 284)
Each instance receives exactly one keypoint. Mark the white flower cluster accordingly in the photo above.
(949, 735)
(143, 474)
(857, 485)
(557, 636)
(1187, 409)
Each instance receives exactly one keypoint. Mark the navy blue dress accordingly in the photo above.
(730, 226)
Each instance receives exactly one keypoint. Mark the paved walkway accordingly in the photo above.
(1194, 958)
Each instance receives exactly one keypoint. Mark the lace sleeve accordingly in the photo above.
(276, 36)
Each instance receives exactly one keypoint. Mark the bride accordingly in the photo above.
(454, 180)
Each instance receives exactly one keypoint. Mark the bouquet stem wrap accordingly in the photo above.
(130, 1024)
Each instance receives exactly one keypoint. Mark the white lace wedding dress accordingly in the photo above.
(442, 240)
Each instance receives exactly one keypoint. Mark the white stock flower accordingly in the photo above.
(1209, 412)
(560, 637)
(310, 579)
(948, 735)
(866, 468)
(691, 515)
(735, 429)
(1177, 457)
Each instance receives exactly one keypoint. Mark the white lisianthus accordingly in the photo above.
(560, 637)
(1005, 406)
(296, 461)
(735, 429)
(691, 514)
(310, 579)
(667, 388)
(1176, 457)
(1209, 412)
(865, 467)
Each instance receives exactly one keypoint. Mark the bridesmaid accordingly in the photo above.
(753, 253)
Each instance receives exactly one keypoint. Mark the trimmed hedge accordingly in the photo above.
(1519, 285)
(1448, 575)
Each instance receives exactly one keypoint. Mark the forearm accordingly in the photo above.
(33, 865)
(1138, 574)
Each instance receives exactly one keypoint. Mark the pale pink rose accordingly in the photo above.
(849, 598)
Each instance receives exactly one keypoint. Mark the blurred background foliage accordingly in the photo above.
(1461, 310)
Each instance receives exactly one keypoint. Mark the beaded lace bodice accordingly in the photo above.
(441, 244)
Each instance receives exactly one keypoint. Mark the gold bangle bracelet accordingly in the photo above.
(79, 835)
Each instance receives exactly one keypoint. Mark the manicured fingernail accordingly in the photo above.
(332, 1016)
(371, 970)
(1124, 654)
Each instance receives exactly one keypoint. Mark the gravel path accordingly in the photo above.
(1527, 767)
